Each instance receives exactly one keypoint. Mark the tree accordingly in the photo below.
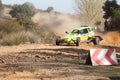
(22, 9)
(112, 15)
(50, 9)
(23, 14)
(109, 7)
(1, 5)
(25, 21)
(90, 10)
(31, 6)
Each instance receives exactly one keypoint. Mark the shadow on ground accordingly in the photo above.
(114, 78)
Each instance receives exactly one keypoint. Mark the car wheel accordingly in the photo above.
(58, 41)
(96, 40)
(78, 41)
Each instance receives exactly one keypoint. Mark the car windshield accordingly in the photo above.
(83, 31)
(75, 31)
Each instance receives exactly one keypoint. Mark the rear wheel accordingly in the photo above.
(58, 41)
(78, 41)
(96, 41)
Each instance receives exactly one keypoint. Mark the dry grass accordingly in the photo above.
(111, 38)
(19, 38)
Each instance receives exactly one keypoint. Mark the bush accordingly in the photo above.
(45, 35)
(50, 9)
(21, 9)
(12, 33)
(9, 26)
(18, 38)
(49, 37)
(14, 39)
(25, 21)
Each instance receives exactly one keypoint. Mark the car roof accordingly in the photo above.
(82, 27)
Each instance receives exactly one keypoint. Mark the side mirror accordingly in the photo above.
(66, 32)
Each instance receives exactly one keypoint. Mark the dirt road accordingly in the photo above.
(49, 62)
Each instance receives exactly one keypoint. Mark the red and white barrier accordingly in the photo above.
(103, 57)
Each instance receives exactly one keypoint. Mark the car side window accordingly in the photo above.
(84, 31)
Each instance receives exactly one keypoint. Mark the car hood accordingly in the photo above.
(71, 35)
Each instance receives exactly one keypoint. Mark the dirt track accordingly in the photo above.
(49, 62)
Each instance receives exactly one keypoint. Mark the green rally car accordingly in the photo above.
(80, 34)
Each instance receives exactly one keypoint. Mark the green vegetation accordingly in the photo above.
(108, 7)
(20, 29)
(21, 9)
(25, 21)
(49, 9)
(93, 14)
(1, 5)
(90, 11)
(112, 15)
(12, 33)
(23, 13)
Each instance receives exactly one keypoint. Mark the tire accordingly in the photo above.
(78, 41)
(58, 41)
(96, 41)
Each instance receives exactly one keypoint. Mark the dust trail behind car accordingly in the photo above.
(111, 38)
(57, 22)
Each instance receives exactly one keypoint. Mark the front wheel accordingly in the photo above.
(96, 41)
(78, 41)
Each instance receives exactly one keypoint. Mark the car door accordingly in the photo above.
(84, 35)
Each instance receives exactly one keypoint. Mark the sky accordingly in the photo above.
(66, 6)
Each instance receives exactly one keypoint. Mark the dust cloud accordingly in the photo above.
(111, 38)
(59, 23)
